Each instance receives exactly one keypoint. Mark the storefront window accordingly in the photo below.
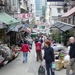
(74, 19)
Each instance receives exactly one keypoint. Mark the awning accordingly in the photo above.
(24, 30)
(7, 19)
(63, 26)
(22, 7)
(16, 29)
(70, 12)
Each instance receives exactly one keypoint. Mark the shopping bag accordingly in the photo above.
(41, 70)
(53, 66)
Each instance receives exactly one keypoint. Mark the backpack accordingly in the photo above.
(38, 46)
(41, 70)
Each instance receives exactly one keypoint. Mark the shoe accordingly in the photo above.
(23, 61)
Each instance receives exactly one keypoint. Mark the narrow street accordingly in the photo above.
(16, 67)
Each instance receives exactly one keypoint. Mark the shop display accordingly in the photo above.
(7, 54)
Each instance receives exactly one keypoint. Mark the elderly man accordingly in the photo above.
(71, 64)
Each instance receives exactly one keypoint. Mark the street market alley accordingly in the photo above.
(16, 67)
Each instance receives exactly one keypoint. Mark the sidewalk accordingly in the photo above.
(17, 67)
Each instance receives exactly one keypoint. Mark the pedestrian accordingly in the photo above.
(41, 40)
(38, 50)
(49, 57)
(25, 49)
(36, 40)
(71, 64)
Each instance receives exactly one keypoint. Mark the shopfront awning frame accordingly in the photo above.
(63, 26)
(7, 19)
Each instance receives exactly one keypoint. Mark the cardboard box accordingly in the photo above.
(65, 63)
(62, 64)
(58, 65)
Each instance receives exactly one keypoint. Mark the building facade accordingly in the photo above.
(31, 5)
(54, 11)
(40, 6)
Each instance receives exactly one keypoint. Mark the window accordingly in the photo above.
(65, 9)
(59, 10)
(74, 19)
(69, 20)
(65, 20)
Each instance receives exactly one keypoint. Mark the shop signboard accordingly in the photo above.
(23, 15)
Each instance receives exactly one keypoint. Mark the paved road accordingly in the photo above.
(16, 67)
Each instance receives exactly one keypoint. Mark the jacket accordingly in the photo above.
(49, 54)
(25, 48)
(72, 50)
(38, 46)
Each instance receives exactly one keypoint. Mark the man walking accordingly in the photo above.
(71, 64)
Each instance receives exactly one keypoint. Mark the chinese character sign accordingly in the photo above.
(26, 16)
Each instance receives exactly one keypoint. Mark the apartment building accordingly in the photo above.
(54, 11)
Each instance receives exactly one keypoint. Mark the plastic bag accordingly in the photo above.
(53, 65)
(67, 58)
(41, 70)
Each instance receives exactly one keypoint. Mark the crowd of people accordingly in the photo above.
(49, 53)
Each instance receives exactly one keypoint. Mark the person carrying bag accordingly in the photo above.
(49, 57)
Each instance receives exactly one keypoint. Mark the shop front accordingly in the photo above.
(9, 23)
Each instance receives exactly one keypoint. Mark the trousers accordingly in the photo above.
(49, 68)
(25, 55)
(39, 55)
(70, 65)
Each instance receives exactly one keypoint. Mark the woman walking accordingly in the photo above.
(25, 50)
(49, 57)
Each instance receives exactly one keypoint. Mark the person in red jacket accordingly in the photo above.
(25, 50)
(38, 51)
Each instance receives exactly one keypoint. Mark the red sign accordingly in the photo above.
(28, 15)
